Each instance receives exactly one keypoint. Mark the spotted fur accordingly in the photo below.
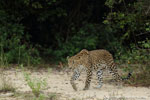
(93, 60)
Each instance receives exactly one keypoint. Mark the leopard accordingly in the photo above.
(98, 60)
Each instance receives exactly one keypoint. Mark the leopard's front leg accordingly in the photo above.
(88, 79)
(74, 77)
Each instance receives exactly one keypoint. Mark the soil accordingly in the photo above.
(58, 82)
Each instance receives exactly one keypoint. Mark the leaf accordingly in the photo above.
(126, 35)
(106, 22)
(54, 0)
(147, 29)
(147, 23)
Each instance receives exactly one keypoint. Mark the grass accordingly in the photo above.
(114, 96)
(140, 76)
(52, 96)
(35, 84)
(6, 85)
(30, 96)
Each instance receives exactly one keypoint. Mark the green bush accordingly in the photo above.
(138, 54)
(137, 60)
(36, 85)
(128, 26)
(128, 22)
(86, 37)
(14, 47)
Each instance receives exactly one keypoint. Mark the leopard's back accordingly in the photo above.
(101, 59)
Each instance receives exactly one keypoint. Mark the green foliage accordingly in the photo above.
(41, 97)
(129, 26)
(13, 42)
(36, 85)
(53, 96)
(86, 37)
(110, 3)
(138, 54)
(129, 21)
(137, 60)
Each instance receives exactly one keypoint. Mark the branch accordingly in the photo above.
(143, 33)
(147, 10)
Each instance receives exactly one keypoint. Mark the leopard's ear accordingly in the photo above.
(84, 51)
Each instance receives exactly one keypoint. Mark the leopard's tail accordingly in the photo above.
(128, 77)
(114, 72)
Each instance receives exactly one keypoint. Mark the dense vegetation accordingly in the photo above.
(31, 30)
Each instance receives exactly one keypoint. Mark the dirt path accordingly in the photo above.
(58, 82)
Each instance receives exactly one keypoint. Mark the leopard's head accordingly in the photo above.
(80, 59)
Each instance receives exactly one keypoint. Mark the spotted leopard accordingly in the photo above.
(93, 60)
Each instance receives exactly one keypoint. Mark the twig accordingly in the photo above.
(143, 33)
(147, 10)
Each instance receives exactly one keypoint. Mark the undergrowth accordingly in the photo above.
(35, 84)
(6, 85)
(138, 63)
(140, 76)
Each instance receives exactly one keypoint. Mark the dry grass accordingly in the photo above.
(140, 76)
(6, 85)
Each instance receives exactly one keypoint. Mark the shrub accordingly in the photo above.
(138, 61)
(14, 47)
(36, 85)
(138, 54)
(86, 37)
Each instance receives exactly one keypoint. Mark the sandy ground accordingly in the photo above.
(59, 83)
